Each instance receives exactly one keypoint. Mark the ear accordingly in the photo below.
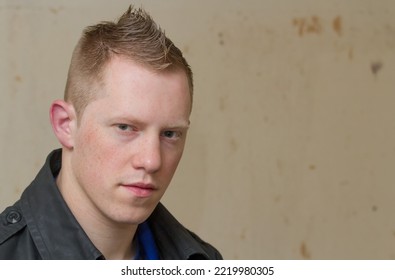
(63, 120)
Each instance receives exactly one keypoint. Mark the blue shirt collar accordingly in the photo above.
(146, 249)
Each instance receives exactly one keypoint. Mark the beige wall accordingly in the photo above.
(292, 147)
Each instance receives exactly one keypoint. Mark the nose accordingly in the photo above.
(148, 156)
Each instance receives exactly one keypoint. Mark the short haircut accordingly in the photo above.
(134, 36)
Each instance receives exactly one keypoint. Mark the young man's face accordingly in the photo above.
(130, 140)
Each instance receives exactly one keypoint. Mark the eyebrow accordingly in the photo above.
(126, 120)
(177, 127)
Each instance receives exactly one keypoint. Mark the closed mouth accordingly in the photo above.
(140, 189)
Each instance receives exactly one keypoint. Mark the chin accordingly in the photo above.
(132, 216)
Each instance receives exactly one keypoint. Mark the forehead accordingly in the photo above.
(128, 88)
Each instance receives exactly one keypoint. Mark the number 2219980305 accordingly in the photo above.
(222, 270)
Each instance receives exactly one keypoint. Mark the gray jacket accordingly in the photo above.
(41, 226)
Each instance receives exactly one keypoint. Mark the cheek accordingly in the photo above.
(95, 141)
(95, 153)
(171, 162)
(88, 144)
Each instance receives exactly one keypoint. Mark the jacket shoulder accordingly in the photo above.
(11, 222)
(12, 226)
(211, 251)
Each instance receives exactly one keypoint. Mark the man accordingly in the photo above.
(122, 126)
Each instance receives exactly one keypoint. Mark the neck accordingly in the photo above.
(114, 240)
(114, 243)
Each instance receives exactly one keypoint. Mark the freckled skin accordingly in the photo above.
(120, 140)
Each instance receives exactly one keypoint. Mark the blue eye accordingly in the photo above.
(171, 134)
(123, 127)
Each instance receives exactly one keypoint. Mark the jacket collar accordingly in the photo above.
(53, 228)
(173, 240)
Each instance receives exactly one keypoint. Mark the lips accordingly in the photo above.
(140, 189)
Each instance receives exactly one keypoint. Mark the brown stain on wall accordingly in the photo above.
(338, 25)
(310, 25)
(221, 38)
(375, 67)
(18, 78)
(315, 25)
(312, 167)
(55, 10)
(299, 23)
(18, 190)
(304, 251)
